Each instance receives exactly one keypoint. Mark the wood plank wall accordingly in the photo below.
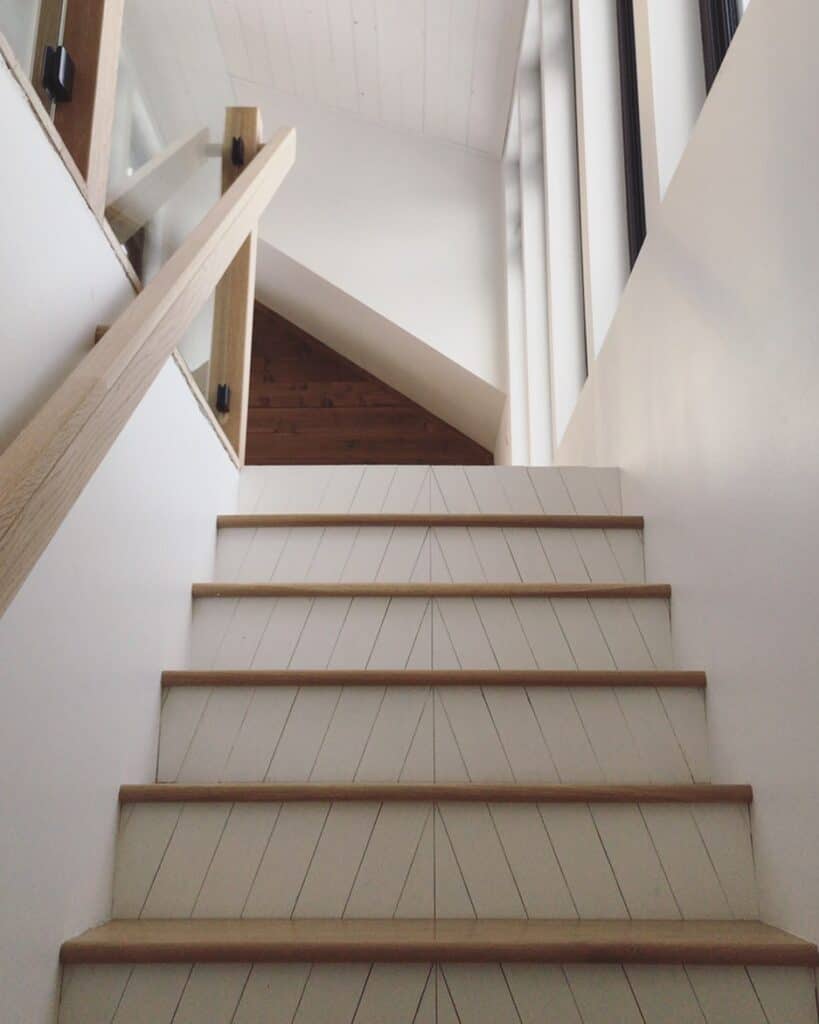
(310, 406)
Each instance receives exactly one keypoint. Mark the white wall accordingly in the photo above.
(108, 604)
(706, 394)
(43, 216)
(410, 227)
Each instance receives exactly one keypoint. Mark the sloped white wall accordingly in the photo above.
(705, 392)
(108, 604)
(409, 227)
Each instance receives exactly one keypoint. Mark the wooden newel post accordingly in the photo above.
(233, 309)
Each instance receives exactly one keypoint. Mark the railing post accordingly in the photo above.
(92, 35)
(233, 303)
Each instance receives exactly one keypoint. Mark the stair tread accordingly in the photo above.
(660, 942)
(538, 521)
(432, 677)
(255, 792)
(572, 590)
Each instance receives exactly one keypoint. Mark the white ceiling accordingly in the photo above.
(442, 68)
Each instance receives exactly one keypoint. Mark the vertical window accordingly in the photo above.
(632, 151)
(718, 20)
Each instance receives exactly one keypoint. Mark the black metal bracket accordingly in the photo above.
(237, 151)
(223, 398)
(58, 74)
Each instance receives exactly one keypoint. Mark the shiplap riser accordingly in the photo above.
(419, 632)
(399, 554)
(412, 734)
(371, 859)
(437, 489)
(427, 994)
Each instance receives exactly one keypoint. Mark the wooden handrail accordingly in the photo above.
(46, 467)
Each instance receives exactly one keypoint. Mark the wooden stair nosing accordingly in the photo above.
(745, 943)
(434, 792)
(546, 590)
(544, 521)
(433, 677)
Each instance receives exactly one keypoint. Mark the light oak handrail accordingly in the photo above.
(46, 467)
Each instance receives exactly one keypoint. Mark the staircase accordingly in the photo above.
(431, 761)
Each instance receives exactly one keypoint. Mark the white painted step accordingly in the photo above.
(392, 733)
(404, 489)
(423, 993)
(381, 857)
(421, 553)
(382, 632)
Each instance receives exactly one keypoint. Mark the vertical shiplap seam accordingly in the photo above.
(633, 994)
(449, 993)
(725, 896)
(614, 555)
(538, 534)
(261, 860)
(277, 744)
(182, 993)
(660, 861)
(307, 978)
(546, 746)
(387, 605)
(497, 733)
(457, 862)
(611, 866)
(424, 988)
(218, 843)
(370, 732)
(241, 995)
(124, 990)
(413, 859)
(361, 860)
(311, 605)
(694, 992)
(658, 690)
(310, 860)
(557, 861)
(455, 740)
(326, 732)
(757, 996)
(523, 906)
(511, 994)
(237, 734)
(350, 603)
(160, 861)
(642, 634)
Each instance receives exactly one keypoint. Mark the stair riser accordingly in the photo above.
(440, 489)
(404, 554)
(419, 860)
(441, 633)
(412, 734)
(301, 993)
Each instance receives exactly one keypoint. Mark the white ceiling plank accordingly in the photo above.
(441, 68)
(365, 36)
(390, 59)
(318, 27)
(298, 29)
(508, 54)
(484, 115)
(251, 22)
(278, 47)
(436, 67)
(412, 28)
(229, 30)
(461, 60)
(340, 20)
